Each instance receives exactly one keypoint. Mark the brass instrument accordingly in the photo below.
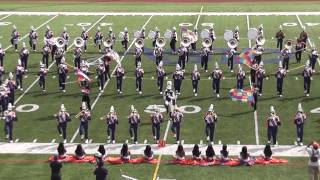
(78, 42)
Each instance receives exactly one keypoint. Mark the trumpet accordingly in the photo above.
(160, 42)
(79, 114)
(78, 42)
(60, 42)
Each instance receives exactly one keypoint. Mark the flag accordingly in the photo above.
(82, 76)
(246, 57)
(241, 95)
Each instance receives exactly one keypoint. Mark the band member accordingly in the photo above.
(98, 39)
(258, 53)
(9, 117)
(3, 99)
(194, 42)
(158, 53)
(230, 55)
(241, 75)
(77, 52)
(15, 38)
(107, 63)
(174, 39)
(85, 116)
(45, 54)
(156, 36)
(212, 36)
(260, 75)
(169, 98)
(255, 92)
(12, 88)
(307, 77)
(313, 56)
(156, 120)
(182, 52)
(2, 54)
(285, 54)
(160, 76)
(304, 36)
(100, 69)
(177, 118)
(236, 34)
(1, 74)
(299, 48)
(48, 34)
(280, 35)
(205, 58)
(280, 75)
(66, 38)
(112, 36)
(33, 38)
(125, 39)
(84, 68)
(139, 75)
(134, 121)
(111, 120)
(253, 70)
(62, 71)
(85, 95)
(216, 76)
(137, 54)
(178, 76)
(59, 55)
(24, 55)
(63, 117)
(119, 74)
(273, 122)
(42, 73)
(85, 37)
(299, 121)
(210, 119)
(19, 74)
(195, 77)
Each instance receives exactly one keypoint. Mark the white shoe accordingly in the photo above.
(260, 94)
(195, 94)
(206, 70)
(208, 138)
(21, 89)
(11, 141)
(218, 95)
(82, 137)
(113, 141)
(136, 142)
(100, 88)
(301, 144)
(43, 90)
(174, 135)
(108, 137)
(231, 71)
(280, 95)
(211, 143)
(161, 93)
(87, 141)
(120, 92)
(194, 90)
(154, 137)
(26, 70)
(64, 91)
(60, 135)
(132, 138)
(7, 136)
(157, 141)
(307, 95)
(178, 142)
(64, 141)
(140, 92)
(137, 89)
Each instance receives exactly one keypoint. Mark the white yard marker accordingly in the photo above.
(35, 140)
(17, 140)
(27, 90)
(248, 24)
(27, 35)
(199, 17)
(99, 95)
(5, 17)
(53, 141)
(256, 126)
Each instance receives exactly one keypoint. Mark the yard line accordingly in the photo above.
(35, 29)
(199, 17)
(248, 24)
(309, 41)
(5, 17)
(24, 93)
(100, 93)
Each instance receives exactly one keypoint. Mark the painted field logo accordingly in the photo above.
(188, 109)
(5, 23)
(27, 108)
(315, 110)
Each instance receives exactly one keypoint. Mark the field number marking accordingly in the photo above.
(27, 108)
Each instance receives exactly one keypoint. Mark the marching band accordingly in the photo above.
(58, 47)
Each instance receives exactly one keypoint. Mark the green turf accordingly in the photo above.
(161, 7)
(34, 166)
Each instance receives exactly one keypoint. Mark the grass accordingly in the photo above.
(235, 119)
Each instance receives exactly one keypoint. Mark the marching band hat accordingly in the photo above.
(14, 26)
(217, 65)
(63, 60)
(83, 106)
(10, 75)
(62, 108)
(110, 28)
(272, 111)
(174, 28)
(132, 108)
(139, 64)
(19, 62)
(169, 85)
(23, 44)
(160, 64)
(239, 67)
(10, 107)
(157, 29)
(64, 28)
(32, 28)
(195, 68)
(98, 28)
(177, 67)
(83, 28)
(211, 108)
(111, 109)
(41, 64)
(307, 63)
(125, 29)
(48, 27)
(280, 64)
(280, 27)
(300, 108)
(261, 64)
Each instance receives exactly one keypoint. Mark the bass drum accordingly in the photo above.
(252, 33)
(228, 35)
(205, 34)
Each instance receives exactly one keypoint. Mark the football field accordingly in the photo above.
(237, 122)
